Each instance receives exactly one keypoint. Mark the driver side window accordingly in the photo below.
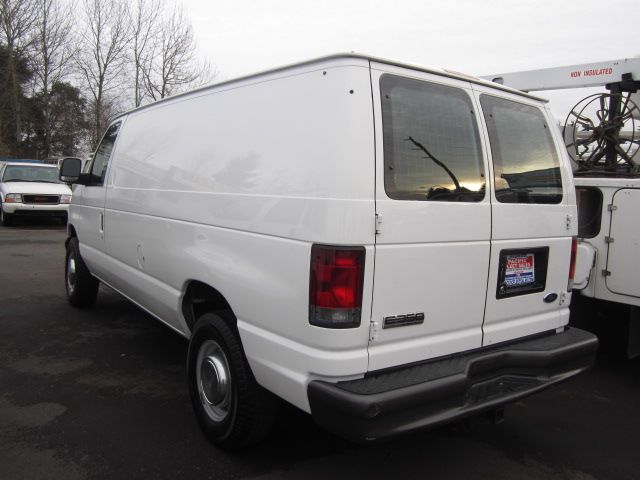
(103, 153)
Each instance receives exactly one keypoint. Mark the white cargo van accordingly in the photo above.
(384, 246)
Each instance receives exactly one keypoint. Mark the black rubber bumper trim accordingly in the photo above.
(438, 391)
(40, 213)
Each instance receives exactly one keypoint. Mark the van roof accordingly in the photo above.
(340, 56)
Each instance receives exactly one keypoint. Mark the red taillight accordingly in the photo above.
(572, 265)
(335, 286)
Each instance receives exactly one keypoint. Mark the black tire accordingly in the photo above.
(240, 412)
(5, 218)
(81, 286)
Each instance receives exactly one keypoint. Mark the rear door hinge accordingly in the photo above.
(374, 330)
(611, 207)
(609, 240)
(378, 224)
(606, 273)
(568, 222)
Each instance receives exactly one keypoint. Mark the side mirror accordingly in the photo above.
(70, 170)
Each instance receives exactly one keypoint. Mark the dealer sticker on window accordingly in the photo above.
(519, 270)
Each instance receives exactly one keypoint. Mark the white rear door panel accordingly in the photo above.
(528, 226)
(431, 257)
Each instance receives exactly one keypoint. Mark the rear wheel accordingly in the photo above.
(81, 286)
(231, 408)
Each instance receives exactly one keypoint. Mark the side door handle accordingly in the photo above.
(101, 224)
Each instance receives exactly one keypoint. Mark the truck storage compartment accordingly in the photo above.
(623, 261)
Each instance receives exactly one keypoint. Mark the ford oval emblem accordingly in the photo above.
(552, 297)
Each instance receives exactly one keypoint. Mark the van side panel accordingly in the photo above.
(231, 187)
(289, 157)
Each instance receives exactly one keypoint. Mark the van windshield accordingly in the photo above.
(525, 161)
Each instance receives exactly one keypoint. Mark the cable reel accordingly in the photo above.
(601, 135)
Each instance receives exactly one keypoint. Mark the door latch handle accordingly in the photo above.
(101, 223)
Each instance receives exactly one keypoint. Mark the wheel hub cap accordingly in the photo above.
(71, 274)
(214, 380)
(213, 377)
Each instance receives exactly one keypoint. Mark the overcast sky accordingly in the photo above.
(474, 36)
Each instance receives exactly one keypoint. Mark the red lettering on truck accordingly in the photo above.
(594, 72)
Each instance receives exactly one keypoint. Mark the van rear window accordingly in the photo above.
(431, 142)
(525, 161)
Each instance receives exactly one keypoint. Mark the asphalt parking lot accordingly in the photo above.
(101, 393)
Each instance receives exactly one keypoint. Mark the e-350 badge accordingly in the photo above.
(403, 320)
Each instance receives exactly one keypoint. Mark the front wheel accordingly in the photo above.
(81, 286)
(231, 408)
(5, 218)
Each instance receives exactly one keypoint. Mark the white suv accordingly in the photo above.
(387, 247)
(32, 189)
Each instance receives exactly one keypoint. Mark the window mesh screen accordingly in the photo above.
(431, 142)
(526, 166)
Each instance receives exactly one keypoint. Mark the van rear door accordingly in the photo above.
(433, 218)
(533, 218)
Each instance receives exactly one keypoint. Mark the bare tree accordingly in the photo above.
(103, 59)
(174, 65)
(54, 51)
(145, 29)
(17, 18)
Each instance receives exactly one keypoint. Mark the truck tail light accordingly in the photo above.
(572, 264)
(335, 286)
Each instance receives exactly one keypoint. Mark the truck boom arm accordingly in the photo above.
(572, 76)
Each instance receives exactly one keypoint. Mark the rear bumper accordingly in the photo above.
(394, 402)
